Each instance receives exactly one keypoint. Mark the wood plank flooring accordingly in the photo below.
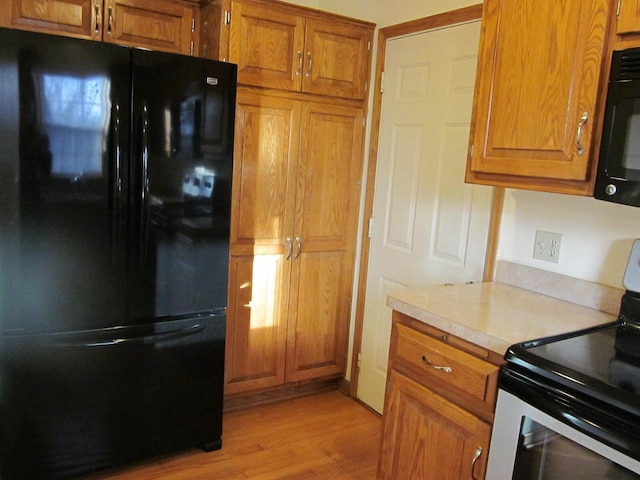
(325, 436)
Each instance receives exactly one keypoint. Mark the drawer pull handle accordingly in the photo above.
(583, 120)
(97, 7)
(437, 367)
(473, 462)
(289, 248)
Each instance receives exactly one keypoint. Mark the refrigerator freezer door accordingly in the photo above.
(89, 400)
(183, 119)
(62, 182)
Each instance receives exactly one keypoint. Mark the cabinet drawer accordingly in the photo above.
(447, 365)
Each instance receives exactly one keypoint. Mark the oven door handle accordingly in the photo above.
(476, 456)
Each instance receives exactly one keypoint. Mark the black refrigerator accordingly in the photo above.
(115, 198)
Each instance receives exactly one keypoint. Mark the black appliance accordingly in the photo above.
(571, 403)
(618, 176)
(115, 197)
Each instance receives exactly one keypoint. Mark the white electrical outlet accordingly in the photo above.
(547, 246)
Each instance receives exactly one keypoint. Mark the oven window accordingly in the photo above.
(544, 454)
(624, 145)
(631, 152)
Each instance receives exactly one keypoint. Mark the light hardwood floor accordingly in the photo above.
(325, 436)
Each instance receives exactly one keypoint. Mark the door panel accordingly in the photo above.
(267, 129)
(531, 100)
(71, 17)
(158, 25)
(336, 59)
(256, 337)
(319, 316)
(429, 227)
(181, 180)
(63, 186)
(267, 45)
(431, 438)
(328, 177)
(327, 195)
(94, 399)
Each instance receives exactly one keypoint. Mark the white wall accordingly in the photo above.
(596, 235)
(384, 12)
(306, 3)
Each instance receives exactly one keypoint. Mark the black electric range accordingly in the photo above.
(589, 379)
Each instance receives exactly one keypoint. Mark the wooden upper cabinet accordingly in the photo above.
(166, 25)
(277, 46)
(267, 45)
(155, 24)
(336, 59)
(628, 17)
(539, 72)
(77, 18)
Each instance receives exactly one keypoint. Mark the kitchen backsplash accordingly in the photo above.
(563, 287)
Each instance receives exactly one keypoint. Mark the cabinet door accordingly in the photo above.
(155, 24)
(534, 109)
(629, 17)
(266, 141)
(328, 176)
(336, 59)
(426, 437)
(267, 45)
(77, 18)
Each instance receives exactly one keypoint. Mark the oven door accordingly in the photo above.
(528, 443)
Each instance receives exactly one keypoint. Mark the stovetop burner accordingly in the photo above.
(586, 362)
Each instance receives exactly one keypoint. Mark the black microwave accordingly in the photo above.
(618, 177)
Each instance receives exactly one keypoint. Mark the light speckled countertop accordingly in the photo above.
(495, 315)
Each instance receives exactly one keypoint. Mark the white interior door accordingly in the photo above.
(428, 226)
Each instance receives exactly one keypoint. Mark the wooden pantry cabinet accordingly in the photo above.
(167, 25)
(535, 115)
(298, 164)
(277, 45)
(441, 393)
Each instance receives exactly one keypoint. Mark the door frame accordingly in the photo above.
(451, 18)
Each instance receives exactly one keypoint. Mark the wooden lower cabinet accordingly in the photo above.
(427, 437)
(439, 405)
(295, 205)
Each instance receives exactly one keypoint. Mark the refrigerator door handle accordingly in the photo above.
(144, 190)
(117, 183)
(145, 339)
